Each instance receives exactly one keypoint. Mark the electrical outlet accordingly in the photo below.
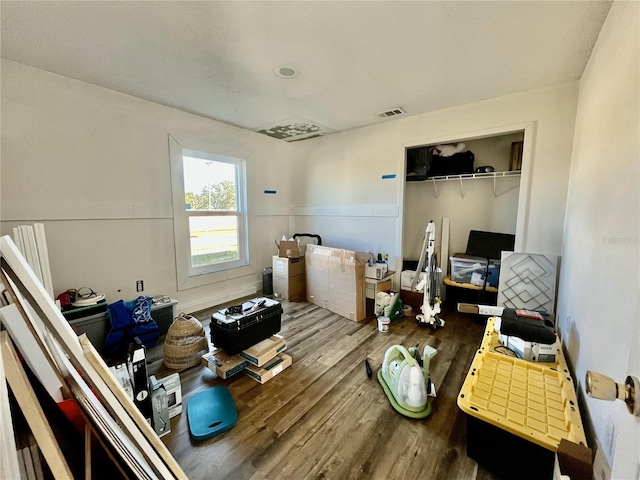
(139, 286)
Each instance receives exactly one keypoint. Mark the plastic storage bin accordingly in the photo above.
(468, 269)
(518, 411)
(493, 273)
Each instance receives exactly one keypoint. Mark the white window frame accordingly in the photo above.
(188, 276)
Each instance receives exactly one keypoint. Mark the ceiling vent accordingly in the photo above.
(394, 112)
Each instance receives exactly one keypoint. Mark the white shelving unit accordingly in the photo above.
(472, 176)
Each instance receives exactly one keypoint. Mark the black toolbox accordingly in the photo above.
(239, 327)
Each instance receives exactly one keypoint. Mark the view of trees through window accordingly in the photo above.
(211, 202)
(215, 196)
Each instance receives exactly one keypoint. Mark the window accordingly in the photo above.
(209, 211)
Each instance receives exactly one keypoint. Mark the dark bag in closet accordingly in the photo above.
(457, 164)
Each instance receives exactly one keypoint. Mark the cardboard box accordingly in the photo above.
(293, 289)
(335, 280)
(415, 299)
(160, 407)
(171, 384)
(122, 375)
(262, 352)
(137, 366)
(223, 364)
(289, 249)
(574, 459)
(288, 267)
(289, 281)
(407, 276)
(271, 369)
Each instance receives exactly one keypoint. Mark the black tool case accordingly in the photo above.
(258, 320)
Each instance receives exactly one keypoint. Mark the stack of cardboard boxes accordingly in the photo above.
(289, 272)
(332, 278)
(262, 361)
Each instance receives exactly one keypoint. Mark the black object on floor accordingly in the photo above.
(234, 332)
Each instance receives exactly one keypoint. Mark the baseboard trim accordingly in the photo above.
(220, 299)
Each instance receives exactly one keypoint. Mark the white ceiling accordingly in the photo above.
(355, 58)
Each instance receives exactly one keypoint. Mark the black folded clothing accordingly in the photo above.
(516, 323)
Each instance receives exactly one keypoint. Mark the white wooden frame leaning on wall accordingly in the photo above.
(119, 425)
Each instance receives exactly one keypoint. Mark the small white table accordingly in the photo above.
(374, 285)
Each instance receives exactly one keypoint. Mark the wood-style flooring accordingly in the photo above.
(323, 417)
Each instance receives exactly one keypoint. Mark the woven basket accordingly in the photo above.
(185, 343)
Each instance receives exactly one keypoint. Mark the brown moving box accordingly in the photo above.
(289, 278)
(335, 280)
(223, 364)
(289, 249)
(270, 369)
(262, 352)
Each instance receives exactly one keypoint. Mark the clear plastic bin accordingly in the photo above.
(468, 269)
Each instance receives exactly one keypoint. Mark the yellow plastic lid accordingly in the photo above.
(535, 401)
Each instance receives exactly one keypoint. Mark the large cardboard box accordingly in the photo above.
(335, 280)
(289, 278)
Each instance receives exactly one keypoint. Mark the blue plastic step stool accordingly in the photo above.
(211, 413)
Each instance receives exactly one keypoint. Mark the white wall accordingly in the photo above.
(93, 165)
(350, 205)
(599, 288)
(477, 210)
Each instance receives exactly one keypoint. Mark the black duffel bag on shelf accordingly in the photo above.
(457, 164)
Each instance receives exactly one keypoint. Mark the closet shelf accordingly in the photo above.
(473, 176)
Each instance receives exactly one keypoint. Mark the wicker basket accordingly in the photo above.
(185, 343)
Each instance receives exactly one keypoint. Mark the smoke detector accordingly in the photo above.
(285, 71)
(394, 112)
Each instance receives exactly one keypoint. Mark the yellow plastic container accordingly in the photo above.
(517, 402)
(535, 401)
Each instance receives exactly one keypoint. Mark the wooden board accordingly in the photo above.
(444, 251)
(43, 254)
(34, 355)
(103, 370)
(101, 421)
(9, 467)
(32, 410)
(16, 268)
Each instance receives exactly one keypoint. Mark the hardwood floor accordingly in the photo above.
(323, 418)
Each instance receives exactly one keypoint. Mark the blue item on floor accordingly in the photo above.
(211, 413)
